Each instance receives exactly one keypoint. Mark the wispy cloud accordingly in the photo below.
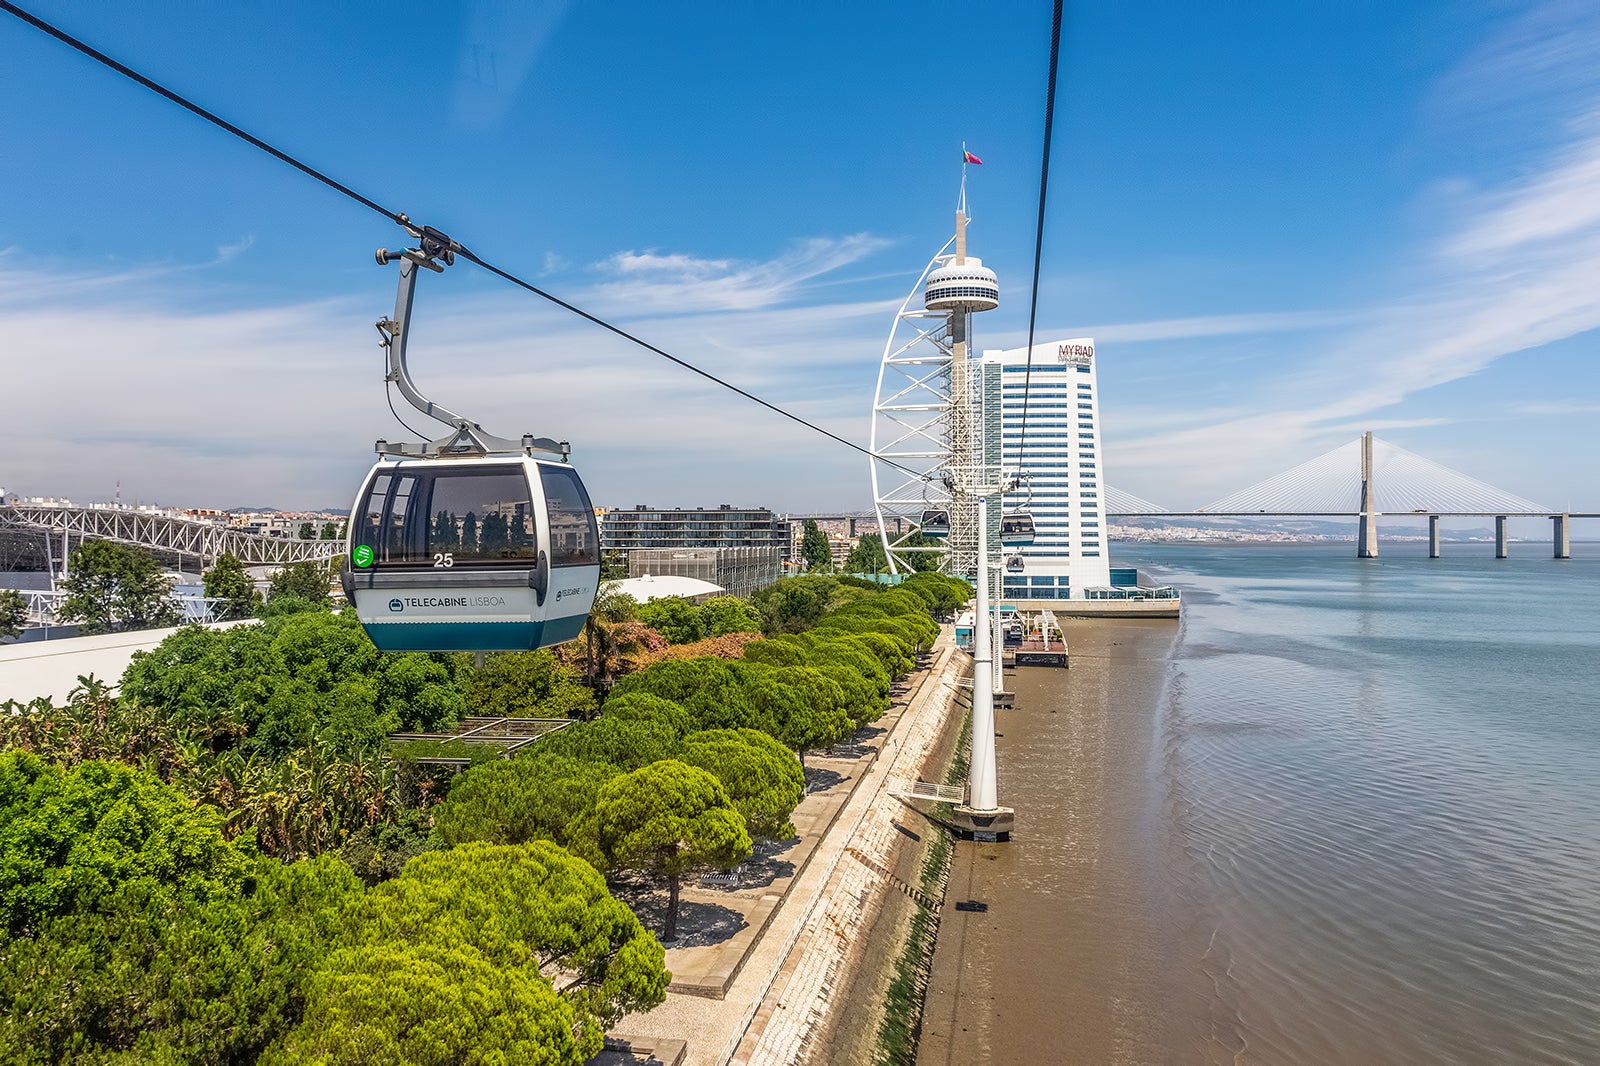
(1225, 325)
(1515, 266)
(1576, 407)
(654, 282)
(187, 398)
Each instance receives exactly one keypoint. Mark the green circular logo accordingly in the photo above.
(362, 556)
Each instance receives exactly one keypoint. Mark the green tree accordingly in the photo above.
(420, 689)
(606, 638)
(675, 618)
(448, 963)
(809, 711)
(307, 531)
(627, 744)
(156, 978)
(329, 531)
(944, 594)
(922, 561)
(763, 778)
(721, 615)
(469, 534)
(306, 580)
(814, 549)
(428, 1004)
(114, 587)
(867, 556)
(711, 690)
(228, 581)
(527, 684)
(776, 651)
(644, 707)
(304, 680)
(74, 837)
(794, 604)
(667, 819)
(13, 613)
(539, 796)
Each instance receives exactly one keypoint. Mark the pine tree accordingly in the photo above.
(814, 549)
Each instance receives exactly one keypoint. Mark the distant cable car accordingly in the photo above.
(936, 523)
(1016, 526)
(471, 542)
(1014, 564)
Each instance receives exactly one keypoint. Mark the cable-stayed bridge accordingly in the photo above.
(1364, 479)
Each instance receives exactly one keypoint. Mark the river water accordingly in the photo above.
(1384, 779)
(1344, 812)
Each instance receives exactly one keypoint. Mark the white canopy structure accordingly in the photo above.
(649, 587)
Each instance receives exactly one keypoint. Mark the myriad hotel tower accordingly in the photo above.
(1058, 452)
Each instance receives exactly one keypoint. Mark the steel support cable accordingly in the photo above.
(1405, 482)
(1044, 187)
(400, 220)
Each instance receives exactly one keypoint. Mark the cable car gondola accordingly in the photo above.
(471, 542)
(935, 523)
(1016, 526)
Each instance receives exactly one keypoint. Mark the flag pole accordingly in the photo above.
(962, 207)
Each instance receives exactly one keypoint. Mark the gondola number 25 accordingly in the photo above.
(444, 560)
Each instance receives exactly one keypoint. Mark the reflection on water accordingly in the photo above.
(1384, 779)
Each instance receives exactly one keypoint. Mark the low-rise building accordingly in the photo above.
(693, 527)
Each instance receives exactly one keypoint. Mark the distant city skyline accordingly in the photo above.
(1282, 227)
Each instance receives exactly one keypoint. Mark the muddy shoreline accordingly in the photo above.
(1084, 951)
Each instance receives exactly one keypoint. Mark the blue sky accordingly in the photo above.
(1283, 224)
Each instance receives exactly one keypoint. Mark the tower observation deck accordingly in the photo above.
(927, 424)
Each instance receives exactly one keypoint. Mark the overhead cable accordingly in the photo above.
(1044, 187)
(401, 220)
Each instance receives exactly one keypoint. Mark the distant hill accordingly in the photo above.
(342, 512)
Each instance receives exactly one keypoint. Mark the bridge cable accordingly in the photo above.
(1038, 237)
(400, 220)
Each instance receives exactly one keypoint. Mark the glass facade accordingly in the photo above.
(702, 527)
(1057, 446)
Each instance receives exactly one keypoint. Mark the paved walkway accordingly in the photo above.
(776, 974)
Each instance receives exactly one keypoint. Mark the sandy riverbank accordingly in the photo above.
(1078, 956)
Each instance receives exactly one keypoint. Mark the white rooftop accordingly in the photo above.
(650, 587)
(52, 667)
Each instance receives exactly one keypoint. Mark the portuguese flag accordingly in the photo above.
(968, 157)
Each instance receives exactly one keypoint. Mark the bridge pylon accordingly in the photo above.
(1367, 535)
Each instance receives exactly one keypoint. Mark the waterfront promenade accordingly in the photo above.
(777, 975)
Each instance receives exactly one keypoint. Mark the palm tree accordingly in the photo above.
(604, 635)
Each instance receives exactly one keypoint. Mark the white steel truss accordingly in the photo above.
(44, 606)
(926, 440)
(168, 532)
